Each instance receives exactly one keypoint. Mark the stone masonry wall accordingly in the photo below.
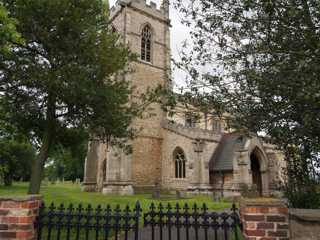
(129, 17)
(266, 219)
(146, 163)
(305, 224)
(174, 136)
(17, 217)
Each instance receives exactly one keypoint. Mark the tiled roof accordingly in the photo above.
(222, 158)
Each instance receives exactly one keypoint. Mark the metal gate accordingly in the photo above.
(163, 222)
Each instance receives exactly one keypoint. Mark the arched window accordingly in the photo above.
(146, 36)
(216, 126)
(190, 120)
(180, 163)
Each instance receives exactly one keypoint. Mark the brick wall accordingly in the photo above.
(265, 219)
(17, 217)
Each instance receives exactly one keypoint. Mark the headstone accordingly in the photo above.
(178, 194)
(52, 181)
(45, 182)
(216, 197)
(78, 181)
(156, 191)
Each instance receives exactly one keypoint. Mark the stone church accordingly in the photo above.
(175, 153)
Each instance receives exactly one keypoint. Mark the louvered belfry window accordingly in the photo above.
(146, 44)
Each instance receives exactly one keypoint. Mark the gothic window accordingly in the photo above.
(216, 126)
(146, 44)
(190, 120)
(180, 163)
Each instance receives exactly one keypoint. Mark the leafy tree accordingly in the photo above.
(16, 154)
(259, 61)
(63, 75)
(15, 160)
(8, 31)
(67, 160)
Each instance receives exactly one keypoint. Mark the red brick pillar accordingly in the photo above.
(17, 217)
(264, 219)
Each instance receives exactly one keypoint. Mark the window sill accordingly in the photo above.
(180, 179)
(145, 62)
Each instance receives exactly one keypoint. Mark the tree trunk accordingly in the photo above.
(7, 180)
(39, 161)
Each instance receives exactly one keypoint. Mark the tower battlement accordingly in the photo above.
(150, 8)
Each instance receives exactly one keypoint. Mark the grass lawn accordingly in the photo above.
(71, 193)
(68, 193)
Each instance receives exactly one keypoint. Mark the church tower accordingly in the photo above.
(146, 30)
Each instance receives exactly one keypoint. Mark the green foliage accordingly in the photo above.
(67, 159)
(259, 62)
(67, 63)
(304, 198)
(8, 31)
(63, 76)
(15, 160)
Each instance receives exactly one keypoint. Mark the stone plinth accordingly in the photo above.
(17, 217)
(264, 219)
(89, 186)
(119, 188)
(200, 189)
(305, 224)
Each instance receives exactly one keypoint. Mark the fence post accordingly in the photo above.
(137, 218)
(18, 216)
(236, 221)
(264, 218)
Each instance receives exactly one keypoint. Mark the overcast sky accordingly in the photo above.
(179, 33)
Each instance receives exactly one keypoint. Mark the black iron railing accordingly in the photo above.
(159, 222)
(176, 222)
(79, 223)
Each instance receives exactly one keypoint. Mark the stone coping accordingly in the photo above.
(117, 183)
(88, 183)
(21, 198)
(262, 202)
(306, 215)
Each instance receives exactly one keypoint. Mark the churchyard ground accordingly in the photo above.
(68, 193)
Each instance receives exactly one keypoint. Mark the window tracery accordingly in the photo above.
(146, 37)
(180, 163)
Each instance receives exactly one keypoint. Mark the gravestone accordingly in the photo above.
(45, 182)
(78, 181)
(178, 194)
(156, 191)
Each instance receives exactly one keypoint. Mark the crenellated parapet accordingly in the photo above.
(151, 8)
(192, 133)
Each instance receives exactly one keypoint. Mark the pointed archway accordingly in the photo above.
(259, 173)
(256, 172)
